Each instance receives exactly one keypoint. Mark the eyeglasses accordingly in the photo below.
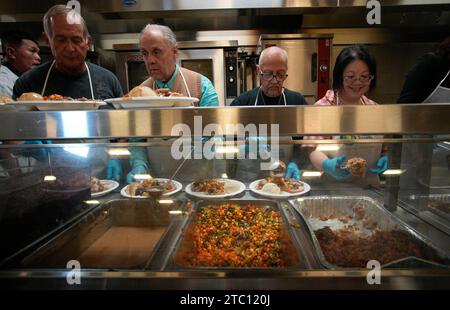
(268, 76)
(363, 78)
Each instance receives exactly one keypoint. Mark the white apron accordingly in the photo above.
(259, 90)
(440, 94)
(50, 70)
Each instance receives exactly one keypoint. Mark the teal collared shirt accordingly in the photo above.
(209, 95)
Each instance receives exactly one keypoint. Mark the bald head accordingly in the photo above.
(273, 54)
(273, 64)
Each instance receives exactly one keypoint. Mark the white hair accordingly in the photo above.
(72, 17)
(272, 49)
(166, 32)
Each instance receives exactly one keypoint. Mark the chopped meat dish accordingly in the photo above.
(324, 217)
(285, 184)
(359, 211)
(345, 218)
(147, 187)
(369, 224)
(345, 249)
(165, 92)
(54, 97)
(211, 187)
(357, 166)
(97, 185)
(231, 235)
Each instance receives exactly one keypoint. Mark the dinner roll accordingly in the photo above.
(142, 91)
(30, 96)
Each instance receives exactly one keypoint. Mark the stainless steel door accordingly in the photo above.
(302, 65)
(213, 57)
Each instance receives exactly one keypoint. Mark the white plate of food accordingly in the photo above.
(142, 189)
(102, 187)
(279, 187)
(215, 188)
(150, 102)
(57, 105)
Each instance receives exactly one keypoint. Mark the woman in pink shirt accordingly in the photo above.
(354, 75)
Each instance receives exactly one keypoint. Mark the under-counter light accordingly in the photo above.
(227, 149)
(393, 172)
(165, 201)
(175, 212)
(329, 148)
(49, 178)
(142, 177)
(119, 152)
(224, 176)
(92, 202)
(312, 174)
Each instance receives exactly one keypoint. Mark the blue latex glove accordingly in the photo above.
(39, 154)
(138, 162)
(382, 165)
(114, 169)
(136, 170)
(332, 167)
(293, 171)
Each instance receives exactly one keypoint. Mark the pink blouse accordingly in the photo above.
(330, 98)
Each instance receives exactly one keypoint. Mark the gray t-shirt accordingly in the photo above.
(7, 80)
(105, 84)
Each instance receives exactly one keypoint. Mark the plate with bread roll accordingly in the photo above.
(33, 101)
(145, 97)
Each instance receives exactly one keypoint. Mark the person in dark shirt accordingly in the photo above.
(273, 67)
(21, 53)
(68, 74)
(428, 81)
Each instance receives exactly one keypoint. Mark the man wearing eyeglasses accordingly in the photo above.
(273, 68)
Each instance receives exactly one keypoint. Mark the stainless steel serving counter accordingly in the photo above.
(432, 278)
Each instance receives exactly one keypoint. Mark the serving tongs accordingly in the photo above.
(277, 169)
(157, 191)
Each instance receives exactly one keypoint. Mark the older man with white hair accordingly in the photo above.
(159, 48)
(273, 67)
